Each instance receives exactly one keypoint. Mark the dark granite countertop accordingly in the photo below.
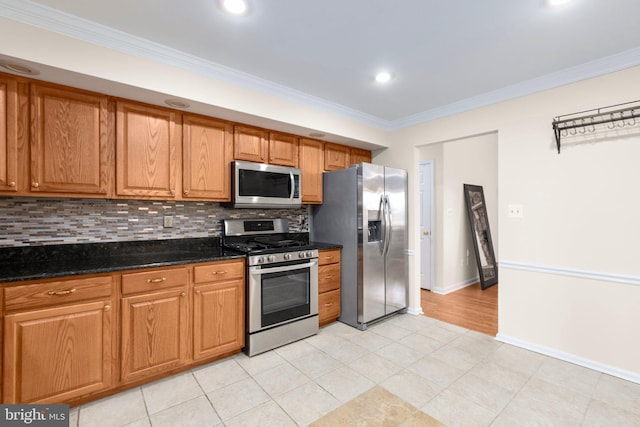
(42, 262)
(322, 245)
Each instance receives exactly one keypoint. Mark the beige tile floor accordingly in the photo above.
(457, 376)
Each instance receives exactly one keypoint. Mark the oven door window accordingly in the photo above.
(285, 296)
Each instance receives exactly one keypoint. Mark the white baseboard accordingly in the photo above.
(416, 311)
(572, 358)
(456, 286)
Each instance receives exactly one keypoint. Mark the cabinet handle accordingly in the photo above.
(330, 276)
(186, 192)
(34, 184)
(12, 184)
(67, 292)
(198, 292)
(219, 272)
(158, 280)
(329, 257)
(173, 192)
(329, 304)
(107, 307)
(183, 294)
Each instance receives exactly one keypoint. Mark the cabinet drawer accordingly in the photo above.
(218, 271)
(328, 306)
(154, 280)
(48, 294)
(328, 256)
(328, 277)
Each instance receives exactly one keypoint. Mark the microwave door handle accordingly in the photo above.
(293, 185)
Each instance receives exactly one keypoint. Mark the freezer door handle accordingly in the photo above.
(387, 225)
(382, 214)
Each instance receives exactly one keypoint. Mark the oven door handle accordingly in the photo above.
(260, 270)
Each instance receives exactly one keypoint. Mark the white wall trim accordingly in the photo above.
(456, 286)
(572, 272)
(54, 20)
(416, 311)
(572, 358)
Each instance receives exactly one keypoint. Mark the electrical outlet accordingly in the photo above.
(168, 221)
(515, 211)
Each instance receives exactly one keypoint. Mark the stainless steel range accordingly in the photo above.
(282, 282)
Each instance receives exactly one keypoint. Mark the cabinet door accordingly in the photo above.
(218, 318)
(55, 354)
(70, 144)
(155, 333)
(336, 157)
(250, 144)
(207, 152)
(8, 134)
(311, 165)
(359, 156)
(146, 151)
(283, 149)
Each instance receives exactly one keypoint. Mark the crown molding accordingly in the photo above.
(54, 20)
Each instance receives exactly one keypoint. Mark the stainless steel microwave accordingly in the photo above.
(259, 185)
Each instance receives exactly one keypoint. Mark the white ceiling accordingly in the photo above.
(445, 55)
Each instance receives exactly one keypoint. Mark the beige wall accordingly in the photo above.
(569, 273)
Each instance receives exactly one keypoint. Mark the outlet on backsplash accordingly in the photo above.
(168, 221)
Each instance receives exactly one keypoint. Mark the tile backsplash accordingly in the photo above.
(26, 221)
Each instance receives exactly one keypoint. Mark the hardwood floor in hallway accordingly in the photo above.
(470, 307)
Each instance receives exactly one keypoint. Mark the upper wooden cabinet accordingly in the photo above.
(358, 156)
(207, 152)
(8, 134)
(147, 144)
(283, 149)
(336, 157)
(250, 144)
(311, 165)
(70, 141)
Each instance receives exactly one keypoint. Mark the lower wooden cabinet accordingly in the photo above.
(57, 349)
(155, 324)
(328, 285)
(62, 342)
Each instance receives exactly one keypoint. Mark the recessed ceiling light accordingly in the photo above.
(383, 77)
(19, 68)
(176, 103)
(235, 7)
(557, 2)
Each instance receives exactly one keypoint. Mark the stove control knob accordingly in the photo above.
(260, 260)
(301, 255)
(271, 258)
(309, 254)
(287, 256)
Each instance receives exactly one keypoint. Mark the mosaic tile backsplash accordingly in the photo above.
(26, 221)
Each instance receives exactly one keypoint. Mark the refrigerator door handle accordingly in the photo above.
(382, 214)
(388, 233)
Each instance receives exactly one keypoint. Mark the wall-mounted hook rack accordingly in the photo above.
(583, 122)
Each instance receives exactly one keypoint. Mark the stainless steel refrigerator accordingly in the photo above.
(364, 209)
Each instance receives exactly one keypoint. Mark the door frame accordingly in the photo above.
(431, 219)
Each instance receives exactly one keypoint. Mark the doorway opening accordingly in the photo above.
(449, 280)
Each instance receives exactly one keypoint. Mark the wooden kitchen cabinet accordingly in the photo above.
(71, 142)
(218, 309)
(336, 157)
(9, 105)
(283, 149)
(357, 155)
(328, 285)
(207, 152)
(155, 322)
(311, 166)
(147, 143)
(59, 339)
(250, 144)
